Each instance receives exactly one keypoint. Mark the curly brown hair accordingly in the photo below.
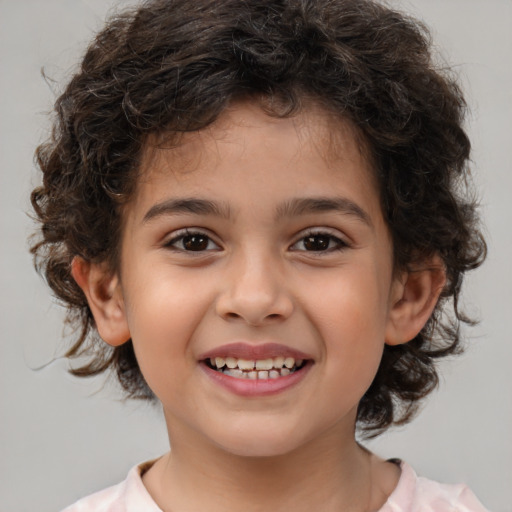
(172, 66)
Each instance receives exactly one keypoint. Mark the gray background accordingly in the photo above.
(61, 437)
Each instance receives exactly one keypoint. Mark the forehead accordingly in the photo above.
(310, 147)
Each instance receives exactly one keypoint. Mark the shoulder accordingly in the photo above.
(128, 496)
(107, 500)
(418, 494)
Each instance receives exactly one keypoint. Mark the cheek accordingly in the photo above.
(163, 313)
(350, 300)
(349, 312)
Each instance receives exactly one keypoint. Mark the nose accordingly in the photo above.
(255, 291)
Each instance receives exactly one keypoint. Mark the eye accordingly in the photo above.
(319, 242)
(192, 242)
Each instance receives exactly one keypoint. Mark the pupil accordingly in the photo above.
(195, 242)
(316, 243)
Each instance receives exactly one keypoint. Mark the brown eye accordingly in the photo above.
(317, 242)
(192, 242)
(195, 242)
(320, 242)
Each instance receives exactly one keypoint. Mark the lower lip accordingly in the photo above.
(256, 387)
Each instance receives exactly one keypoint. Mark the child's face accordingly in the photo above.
(254, 240)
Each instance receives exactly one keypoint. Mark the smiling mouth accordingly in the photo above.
(259, 369)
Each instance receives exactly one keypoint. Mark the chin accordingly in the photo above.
(259, 443)
(257, 450)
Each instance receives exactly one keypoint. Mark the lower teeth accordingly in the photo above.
(257, 374)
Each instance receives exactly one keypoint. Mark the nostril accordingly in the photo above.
(252, 321)
(254, 305)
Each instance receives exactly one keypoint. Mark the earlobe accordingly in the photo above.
(415, 296)
(104, 296)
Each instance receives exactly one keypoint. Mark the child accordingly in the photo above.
(258, 207)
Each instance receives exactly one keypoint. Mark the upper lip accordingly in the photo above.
(241, 350)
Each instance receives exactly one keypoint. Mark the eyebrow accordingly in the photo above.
(295, 207)
(186, 206)
(308, 205)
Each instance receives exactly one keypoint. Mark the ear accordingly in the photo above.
(414, 296)
(104, 295)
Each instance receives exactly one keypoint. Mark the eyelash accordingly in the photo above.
(187, 233)
(339, 244)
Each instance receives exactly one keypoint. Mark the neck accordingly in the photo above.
(198, 475)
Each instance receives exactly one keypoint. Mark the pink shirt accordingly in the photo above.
(412, 494)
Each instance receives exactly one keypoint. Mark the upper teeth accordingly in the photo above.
(259, 364)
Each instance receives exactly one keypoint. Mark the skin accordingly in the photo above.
(257, 280)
